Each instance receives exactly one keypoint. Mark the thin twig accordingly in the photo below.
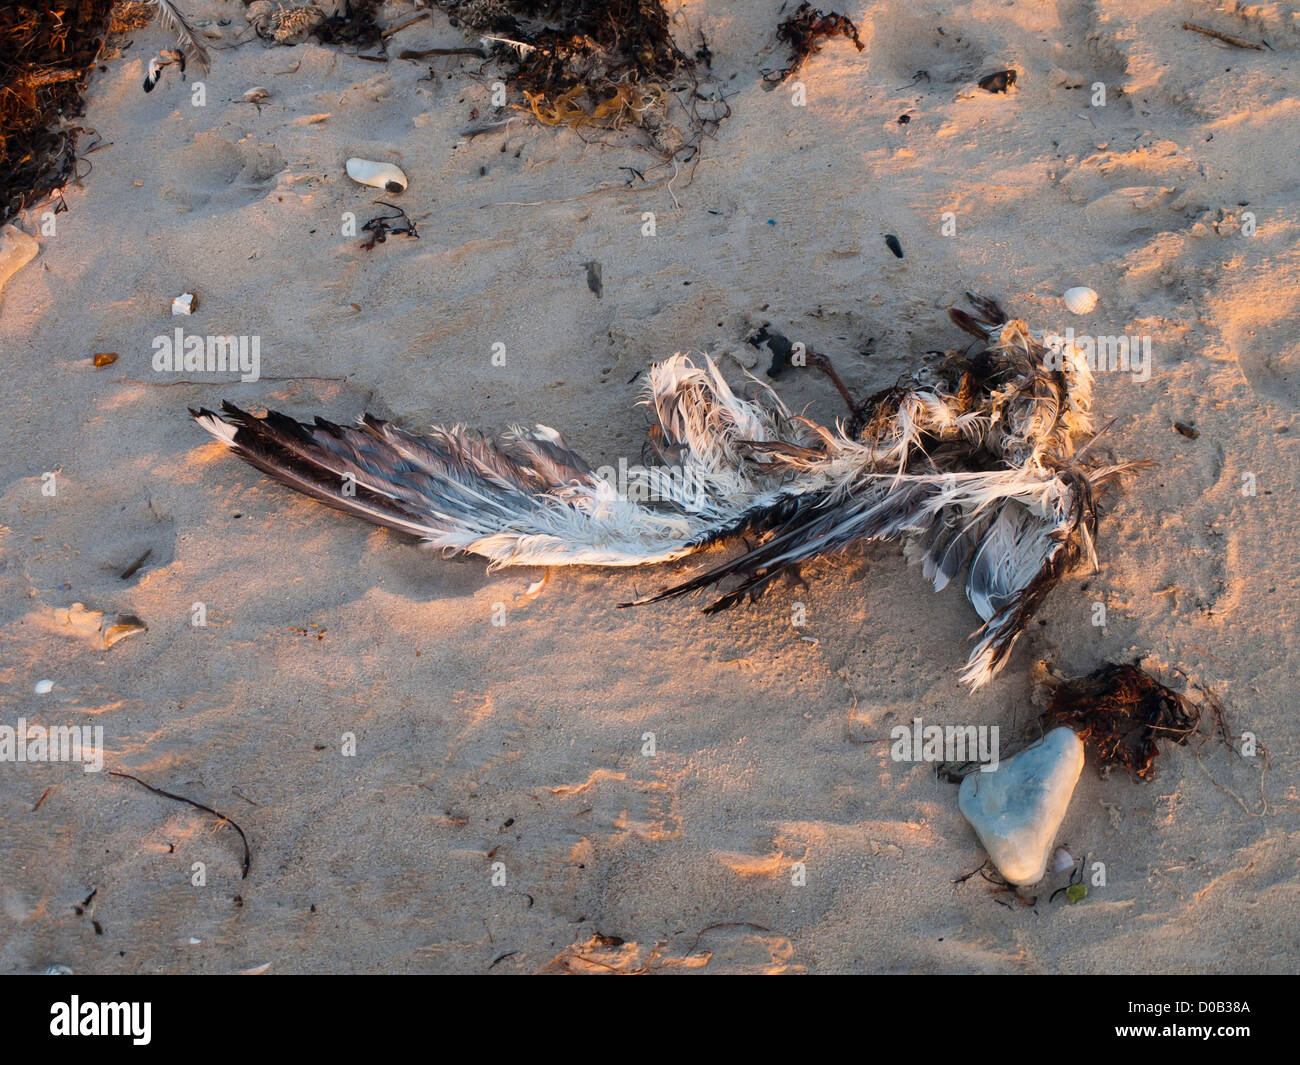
(1226, 38)
(402, 25)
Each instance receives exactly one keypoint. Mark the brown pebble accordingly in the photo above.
(104, 358)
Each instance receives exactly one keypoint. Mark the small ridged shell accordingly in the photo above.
(1079, 300)
(377, 175)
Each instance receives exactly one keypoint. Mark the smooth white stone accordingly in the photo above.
(183, 304)
(44, 687)
(1016, 809)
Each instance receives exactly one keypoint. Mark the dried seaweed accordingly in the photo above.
(1121, 710)
(248, 854)
(355, 24)
(805, 30)
(610, 64)
(561, 44)
(380, 227)
(46, 54)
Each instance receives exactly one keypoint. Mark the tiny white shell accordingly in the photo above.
(1079, 300)
(44, 687)
(183, 304)
(377, 175)
(1062, 860)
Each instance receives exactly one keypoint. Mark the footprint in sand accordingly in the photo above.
(212, 170)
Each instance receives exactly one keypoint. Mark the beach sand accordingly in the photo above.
(522, 743)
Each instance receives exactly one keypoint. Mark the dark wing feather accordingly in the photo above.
(174, 22)
(816, 525)
(287, 451)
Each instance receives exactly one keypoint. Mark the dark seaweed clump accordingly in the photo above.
(46, 54)
(597, 63)
(1122, 711)
(804, 32)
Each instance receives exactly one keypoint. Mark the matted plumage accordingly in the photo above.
(977, 465)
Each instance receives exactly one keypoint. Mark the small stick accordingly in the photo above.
(248, 855)
(823, 363)
(402, 25)
(421, 53)
(1226, 38)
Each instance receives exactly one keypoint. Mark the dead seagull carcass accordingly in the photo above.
(976, 464)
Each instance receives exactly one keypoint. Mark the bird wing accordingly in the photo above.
(521, 498)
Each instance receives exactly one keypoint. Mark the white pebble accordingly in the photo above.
(1079, 300)
(44, 687)
(183, 304)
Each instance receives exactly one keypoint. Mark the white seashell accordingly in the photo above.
(58, 970)
(44, 687)
(1079, 300)
(183, 304)
(125, 625)
(1062, 860)
(377, 175)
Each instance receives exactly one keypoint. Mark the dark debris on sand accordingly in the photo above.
(805, 30)
(1122, 711)
(571, 43)
(46, 54)
(354, 23)
(584, 63)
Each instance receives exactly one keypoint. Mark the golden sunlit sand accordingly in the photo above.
(444, 769)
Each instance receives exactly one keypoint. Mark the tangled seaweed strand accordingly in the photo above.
(1122, 711)
(805, 29)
